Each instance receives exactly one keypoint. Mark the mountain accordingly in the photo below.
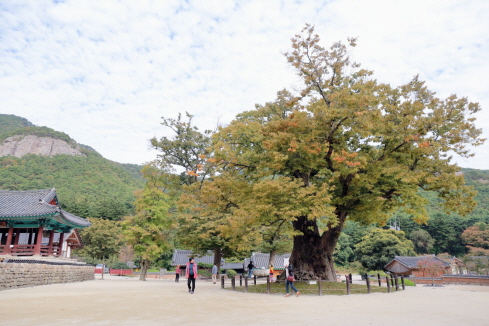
(87, 184)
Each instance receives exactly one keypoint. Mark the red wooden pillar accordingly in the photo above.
(37, 247)
(61, 238)
(16, 238)
(9, 240)
(50, 244)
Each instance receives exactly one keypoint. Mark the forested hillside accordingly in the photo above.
(88, 186)
(443, 233)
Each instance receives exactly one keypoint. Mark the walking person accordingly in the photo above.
(250, 268)
(191, 275)
(289, 280)
(214, 273)
(177, 274)
(271, 273)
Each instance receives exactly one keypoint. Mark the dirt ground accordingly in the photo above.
(128, 301)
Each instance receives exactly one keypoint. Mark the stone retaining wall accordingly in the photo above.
(16, 275)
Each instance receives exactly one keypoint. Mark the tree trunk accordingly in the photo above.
(144, 269)
(271, 258)
(312, 256)
(217, 260)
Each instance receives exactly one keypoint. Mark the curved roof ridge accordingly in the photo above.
(74, 219)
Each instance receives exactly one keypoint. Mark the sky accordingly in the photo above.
(106, 72)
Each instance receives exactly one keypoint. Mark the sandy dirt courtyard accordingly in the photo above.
(128, 301)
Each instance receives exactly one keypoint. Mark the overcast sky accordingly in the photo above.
(105, 72)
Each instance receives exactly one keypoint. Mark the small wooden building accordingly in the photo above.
(417, 266)
(33, 223)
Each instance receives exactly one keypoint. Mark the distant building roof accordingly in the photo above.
(34, 205)
(261, 260)
(232, 266)
(413, 262)
(180, 257)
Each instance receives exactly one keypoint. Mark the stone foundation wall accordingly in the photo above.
(16, 275)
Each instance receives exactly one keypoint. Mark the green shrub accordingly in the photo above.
(205, 273)
(382, 273)
(204, 265)
(409, 283)
(231, 273)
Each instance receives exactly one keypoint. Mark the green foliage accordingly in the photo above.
(478, 264)
(358, 268)
(446, 230)
(10, 122)
(38, 131)
(409, 282)
(422, 240)
(344, 251)
(205, 265)
(147, 231)
(101, 240)
(231, 273)
(88, 186)
(380, 246)
(205, 273)
(184, 148)
(375, 272)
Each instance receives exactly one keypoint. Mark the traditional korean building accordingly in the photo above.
(418, 266)
(32, 223)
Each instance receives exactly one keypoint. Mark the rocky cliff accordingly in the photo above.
(45, 146)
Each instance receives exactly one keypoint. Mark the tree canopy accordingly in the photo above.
(380, 246)
(347, 147)
(147, 230)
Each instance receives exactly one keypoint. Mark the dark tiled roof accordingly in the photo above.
(412, 262)
(261, 260)
(35, 203)
(74, 219)
(232, 266)
(27, 203)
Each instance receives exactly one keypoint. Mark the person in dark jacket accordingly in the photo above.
(250, 268)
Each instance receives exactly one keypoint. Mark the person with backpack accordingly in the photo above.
(289, 280)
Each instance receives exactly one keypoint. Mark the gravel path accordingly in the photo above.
(128, 301)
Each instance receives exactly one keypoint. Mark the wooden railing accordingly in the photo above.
(22, 250)
(55, 251)
(28, 250)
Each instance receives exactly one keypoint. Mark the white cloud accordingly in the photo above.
(105, 72)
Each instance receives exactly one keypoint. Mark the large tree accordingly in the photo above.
(147, 231)
(199, 228)
(349, 147)
(102, 240)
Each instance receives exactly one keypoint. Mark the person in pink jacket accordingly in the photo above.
(191, 274)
